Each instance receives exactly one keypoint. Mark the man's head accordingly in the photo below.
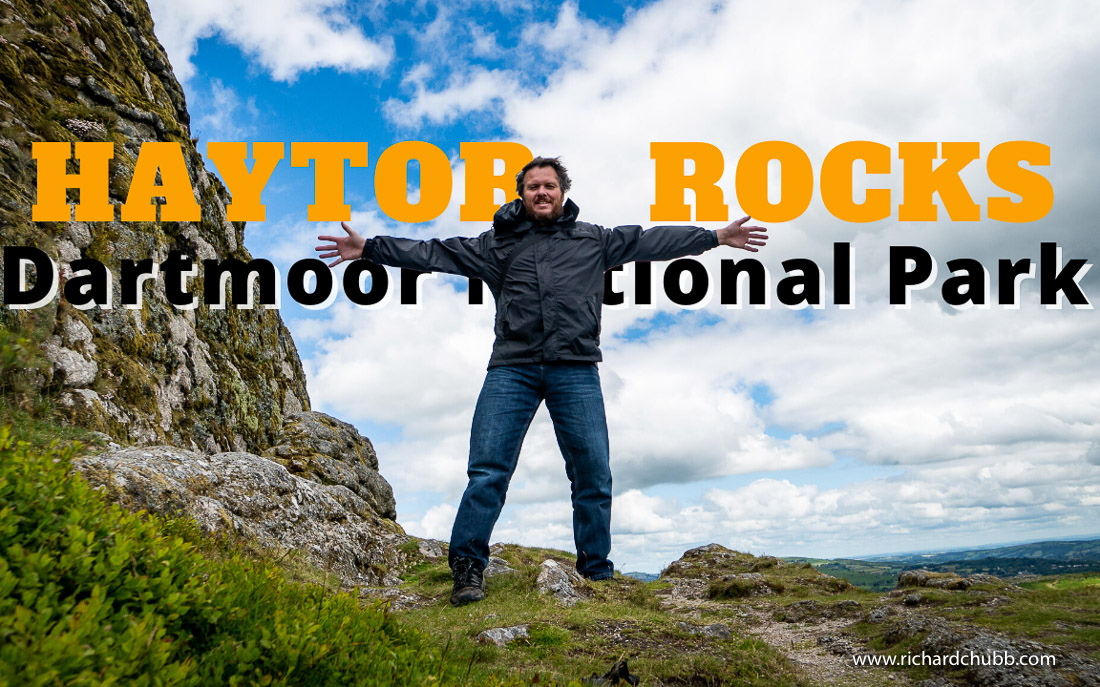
(542, 184)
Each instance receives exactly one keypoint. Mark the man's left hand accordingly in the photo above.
(740, 236)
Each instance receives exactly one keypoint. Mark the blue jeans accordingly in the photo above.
(509, 398)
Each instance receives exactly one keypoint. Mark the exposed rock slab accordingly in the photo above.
(259, 499)
(811, 610)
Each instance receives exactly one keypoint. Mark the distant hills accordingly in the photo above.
(880, 573)
(643, 576)
(1084, 550)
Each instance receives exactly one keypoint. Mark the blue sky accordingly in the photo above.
(823, 432)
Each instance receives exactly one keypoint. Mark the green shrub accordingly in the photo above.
(94, 595)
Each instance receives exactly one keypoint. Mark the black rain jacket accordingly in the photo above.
(549, 307)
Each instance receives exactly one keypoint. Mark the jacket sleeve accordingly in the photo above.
(458, 255)
(629, 243)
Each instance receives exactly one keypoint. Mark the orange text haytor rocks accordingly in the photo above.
(928, 169)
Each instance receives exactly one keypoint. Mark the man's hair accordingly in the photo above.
(555, 162)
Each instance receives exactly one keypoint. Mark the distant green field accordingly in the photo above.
(1065, 583)
(878, 577)
(873, 575)
(882, 575)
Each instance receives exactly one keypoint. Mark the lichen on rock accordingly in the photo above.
(255, 498)
(559, 582)
(204, 390)
(136, 380)
(503, 636)
(330, 451)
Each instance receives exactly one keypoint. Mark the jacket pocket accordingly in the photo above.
(595, 310)
(584, 335)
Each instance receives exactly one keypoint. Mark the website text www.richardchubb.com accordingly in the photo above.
(161, 190)
(958, 659)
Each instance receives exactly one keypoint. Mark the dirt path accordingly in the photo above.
(820, 648)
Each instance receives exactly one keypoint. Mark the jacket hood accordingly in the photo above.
(512, 217)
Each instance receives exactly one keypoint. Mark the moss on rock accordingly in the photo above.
(207, 379)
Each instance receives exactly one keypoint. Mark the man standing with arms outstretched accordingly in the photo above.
(546, 272)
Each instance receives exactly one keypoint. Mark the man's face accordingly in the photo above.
(542, 196)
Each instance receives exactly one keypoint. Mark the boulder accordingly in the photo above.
(323, 449)
(559, 581)
(926, 578)
(259, 500)
(502, 636)
(431, 548)
(497, 566)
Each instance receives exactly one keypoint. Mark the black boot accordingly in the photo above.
(469, 581)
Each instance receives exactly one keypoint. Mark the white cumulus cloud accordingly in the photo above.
(975, 425)
(285, 37)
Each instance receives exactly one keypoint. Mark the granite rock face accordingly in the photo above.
(205, 379)
(321, 448)
(204, 390)
(258, 499)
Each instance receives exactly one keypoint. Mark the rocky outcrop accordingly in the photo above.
(715, 560)
(217, 397)
(258, 499)
(1005, 662)
(560, 582)
(938, 580)
(719, 573)
(321, 448)
(208, 380)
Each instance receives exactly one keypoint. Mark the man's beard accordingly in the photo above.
(557, 212)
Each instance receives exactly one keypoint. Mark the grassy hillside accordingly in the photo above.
(91, 594)
(620, 618)
(785, 623)
(876, 576)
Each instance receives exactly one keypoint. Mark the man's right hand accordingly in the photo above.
(342, 248)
